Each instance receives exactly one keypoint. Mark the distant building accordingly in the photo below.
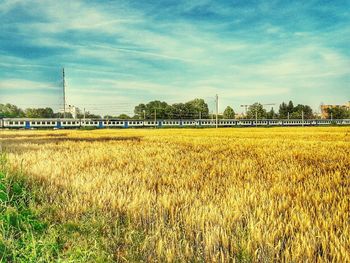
(72, 110)
(324, 109)
(239, 116)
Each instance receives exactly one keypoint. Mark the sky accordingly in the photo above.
(117, 54)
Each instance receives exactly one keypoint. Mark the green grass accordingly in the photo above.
(23, 236)
(29, 231)
(27, 237)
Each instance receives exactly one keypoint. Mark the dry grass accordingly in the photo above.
(278, 194)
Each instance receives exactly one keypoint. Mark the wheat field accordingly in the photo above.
(192, 195)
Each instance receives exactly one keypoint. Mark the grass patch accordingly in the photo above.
(23, 236)
(27, 237)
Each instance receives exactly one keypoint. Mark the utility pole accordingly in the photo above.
(84, 115)
(144, 114)
(64, 94)
(155, 118)
(331, 116)
(256, 117)
(200, 115)
(288, 115)
(302, 117)
(217, 109)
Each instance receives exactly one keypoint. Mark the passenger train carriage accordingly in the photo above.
(114, 123)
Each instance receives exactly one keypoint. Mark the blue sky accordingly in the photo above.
(121, 53)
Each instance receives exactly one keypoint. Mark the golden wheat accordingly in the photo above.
(223, 195)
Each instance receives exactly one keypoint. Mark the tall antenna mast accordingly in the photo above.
(64, 94)
(217, 109)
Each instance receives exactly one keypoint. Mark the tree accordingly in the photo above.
(229, 113)
(178, 111)
(290, 107)
(300, 109)
(192, 109)
(295, 112)
(271, 114)
(10, 111)
(256, 110)
(123, 116)
(88, 115)
(338, 113)
(283, 110)
(198, 108)
(140, 110)
(39, 113)
(161, 107)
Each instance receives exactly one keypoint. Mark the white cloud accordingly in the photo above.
(26, 84)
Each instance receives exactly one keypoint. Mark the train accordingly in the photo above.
(24, 123)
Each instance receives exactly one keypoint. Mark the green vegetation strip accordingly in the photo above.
(27, 235)
(24, 237)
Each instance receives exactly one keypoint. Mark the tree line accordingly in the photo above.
(12, 111)
(194, 109)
